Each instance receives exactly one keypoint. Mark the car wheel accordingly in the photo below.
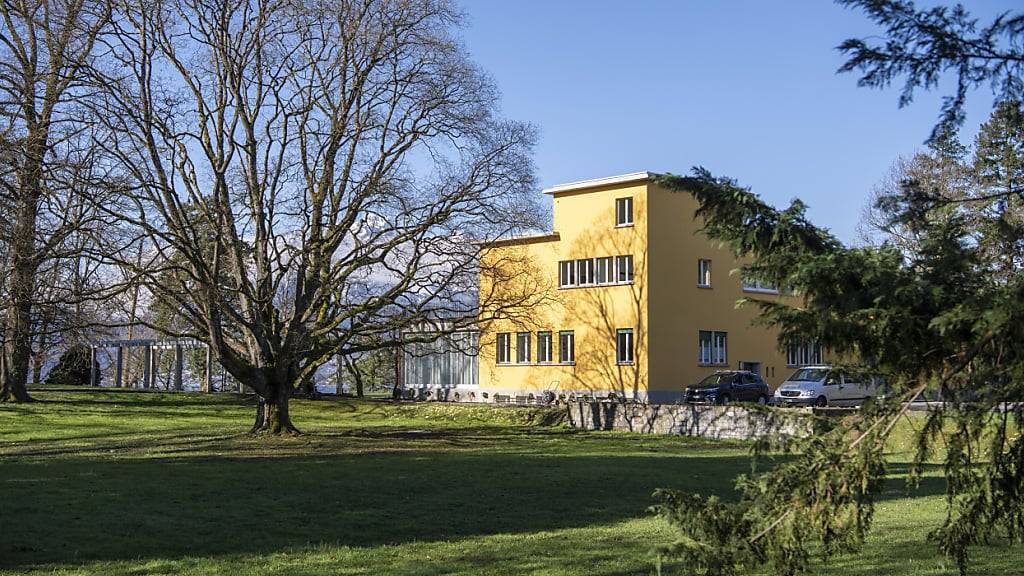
(762, 400)
(821, 402)
(724, 400)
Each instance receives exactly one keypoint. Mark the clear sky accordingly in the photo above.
(747, 89)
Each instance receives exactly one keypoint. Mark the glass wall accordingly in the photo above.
(444, 363)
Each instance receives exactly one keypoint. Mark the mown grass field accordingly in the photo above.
(126, 483)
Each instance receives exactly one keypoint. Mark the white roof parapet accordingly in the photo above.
(606, 181)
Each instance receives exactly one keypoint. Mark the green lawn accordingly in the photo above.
(105, 482)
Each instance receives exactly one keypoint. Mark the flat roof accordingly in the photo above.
(598, 182)
(524, 239)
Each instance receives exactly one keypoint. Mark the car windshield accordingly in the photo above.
(715, 380)
(808, 375)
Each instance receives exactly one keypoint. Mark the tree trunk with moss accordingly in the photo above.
(272, 413)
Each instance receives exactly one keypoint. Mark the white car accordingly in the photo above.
(826, 386)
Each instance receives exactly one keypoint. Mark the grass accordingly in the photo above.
(123, 482)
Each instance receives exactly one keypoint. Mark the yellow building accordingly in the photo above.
(639, 303)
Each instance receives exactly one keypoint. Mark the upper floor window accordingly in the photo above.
(624, 211)
(566, 347)
(624, 268)
(543, 346)
(566, 273)
(704, 273)
(595, 271)
(522, 347)
(711, 348)
(754, 284)
(504, 352)
(804, 354)
(585, 272)
(605, 270)
(624, 346)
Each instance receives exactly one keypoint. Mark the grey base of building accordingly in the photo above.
(477, 394)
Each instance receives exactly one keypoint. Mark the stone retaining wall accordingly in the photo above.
(735, 422)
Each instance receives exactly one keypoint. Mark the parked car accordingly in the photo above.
(729, 386)
(827, 386)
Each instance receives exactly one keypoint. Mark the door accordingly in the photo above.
(754, 367)
(832, 388)
(855, 389)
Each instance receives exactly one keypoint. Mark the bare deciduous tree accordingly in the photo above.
(46, 51)
(312, 174)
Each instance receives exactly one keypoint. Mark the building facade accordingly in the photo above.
(640, 302)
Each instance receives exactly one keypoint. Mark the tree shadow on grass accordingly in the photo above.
(72, 511)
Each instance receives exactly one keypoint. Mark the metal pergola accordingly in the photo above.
(149, 368)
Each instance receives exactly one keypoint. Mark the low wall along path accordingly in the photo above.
(733, 422)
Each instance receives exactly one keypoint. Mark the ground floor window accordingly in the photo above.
(504, 352)
(543, 346)
(523, 348)
(804, 354)
(624, 346)
(566, 347)
(447, 361)
(711, 348)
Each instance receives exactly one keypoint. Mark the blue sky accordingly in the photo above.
(746, 89)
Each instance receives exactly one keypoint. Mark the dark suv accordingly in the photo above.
(729, 386)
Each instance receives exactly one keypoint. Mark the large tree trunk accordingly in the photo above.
(272, 416)
(18, 345)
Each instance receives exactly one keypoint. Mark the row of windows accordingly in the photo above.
(712, 348)
(595, 271)
(566, 347)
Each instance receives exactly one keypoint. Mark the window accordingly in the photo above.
(543, 346)
(566, 347)
(605, 270)
(522, 347)
(624, 212)
(504, 354)
(585, 272)
(624, 345)
(804, 354)
(595, 271)
(752, 284)
(566, 273)
(711, 348)
(624, 269)
(704, 273)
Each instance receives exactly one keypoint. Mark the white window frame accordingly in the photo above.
(624, 212)
(503, 353)
(523, 347)
(804, 354)
(585, 272)
(624, 269)
(604, 270)
(544, 347)
(566, 354)
(758, 285)
(624, 346)
(703, 273)
(712, 348)
(566, 273)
